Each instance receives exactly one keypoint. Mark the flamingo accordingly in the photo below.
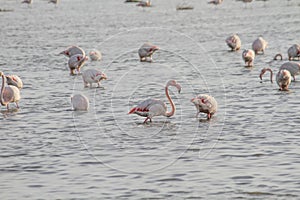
(146, 50)
(248, 56)
(28, 2)
(132, 1)
(283, 78)
(144, 3)
(14, 80)
(80, 102)
(155, 107)
(234, 42)
(54, 2)
(95, 55)
(294, 51)
(9, 93)
(91, 76)
(76, 62)
(206, 104)
(215, 2)
(292, 67)
(259, 45)
(73, 50)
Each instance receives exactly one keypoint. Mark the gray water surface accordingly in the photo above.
(248, 150)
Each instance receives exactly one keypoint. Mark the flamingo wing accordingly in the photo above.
(149, 107)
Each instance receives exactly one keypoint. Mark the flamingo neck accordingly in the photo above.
(169, 114)
(2, 90)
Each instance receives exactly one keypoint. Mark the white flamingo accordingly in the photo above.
(9, 93)
(73, 50)
(234, 42)
(206, 104)
(292, 67)
(76, 62)
(155, 107)
(95, 55)
(80, 102)
(259, 45)
(146, 51)
(248, 56)
(14, 80)
(294, 51)
(283, 78)
(144, 3)
(91, 76)
(215, 2)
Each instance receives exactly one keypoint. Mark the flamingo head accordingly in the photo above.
(153, 48)
(175, 84)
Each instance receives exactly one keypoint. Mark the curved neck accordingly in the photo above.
(169, 114)
(271, 73)
(2, 90)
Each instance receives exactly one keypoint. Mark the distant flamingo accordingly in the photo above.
(14, 80)
(76, 62)
(234, 42)
(53, 1)
(205, 104)
(27, 2)
(292, 67)
(216, 2)
(144, 3)
(259, 45)
(73, 50)
(95, 55)
(9, 93)
(146, 50)
(91, 76)
(283, 78)
(154, 107)
(132, 1)
(294, 51)
(80, 102)
(248, 56)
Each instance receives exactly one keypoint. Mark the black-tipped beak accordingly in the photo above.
(179, 91)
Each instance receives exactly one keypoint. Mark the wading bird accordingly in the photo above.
(9, 93)
(248, 56)
(259, 45)
(80, 102)
(91, 76)
(76, 62)
(155, 107)
(205, 104)
(146, 51)
(73, 50)
(234, 42)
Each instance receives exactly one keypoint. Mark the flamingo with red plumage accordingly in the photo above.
(155, 107)
(91, 76)
(73, 50)
(76, 62)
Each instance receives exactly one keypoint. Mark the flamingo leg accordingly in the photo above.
(208, 115)
(17, 105)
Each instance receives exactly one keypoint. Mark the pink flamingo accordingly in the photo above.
(283, 78)
(91, 76)
(259, 45)
(146, 50)
(216, 2)
(234, 42)
(9, 93)
(292, 67)
(95, 55)
(76, 62)
(248, 56)
(14, 80)
(73, 50)
(294, 51)
(205, 104)
(144, 3)
(155, 107)
(80, 102)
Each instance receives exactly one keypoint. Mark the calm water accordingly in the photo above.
(249, 150)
